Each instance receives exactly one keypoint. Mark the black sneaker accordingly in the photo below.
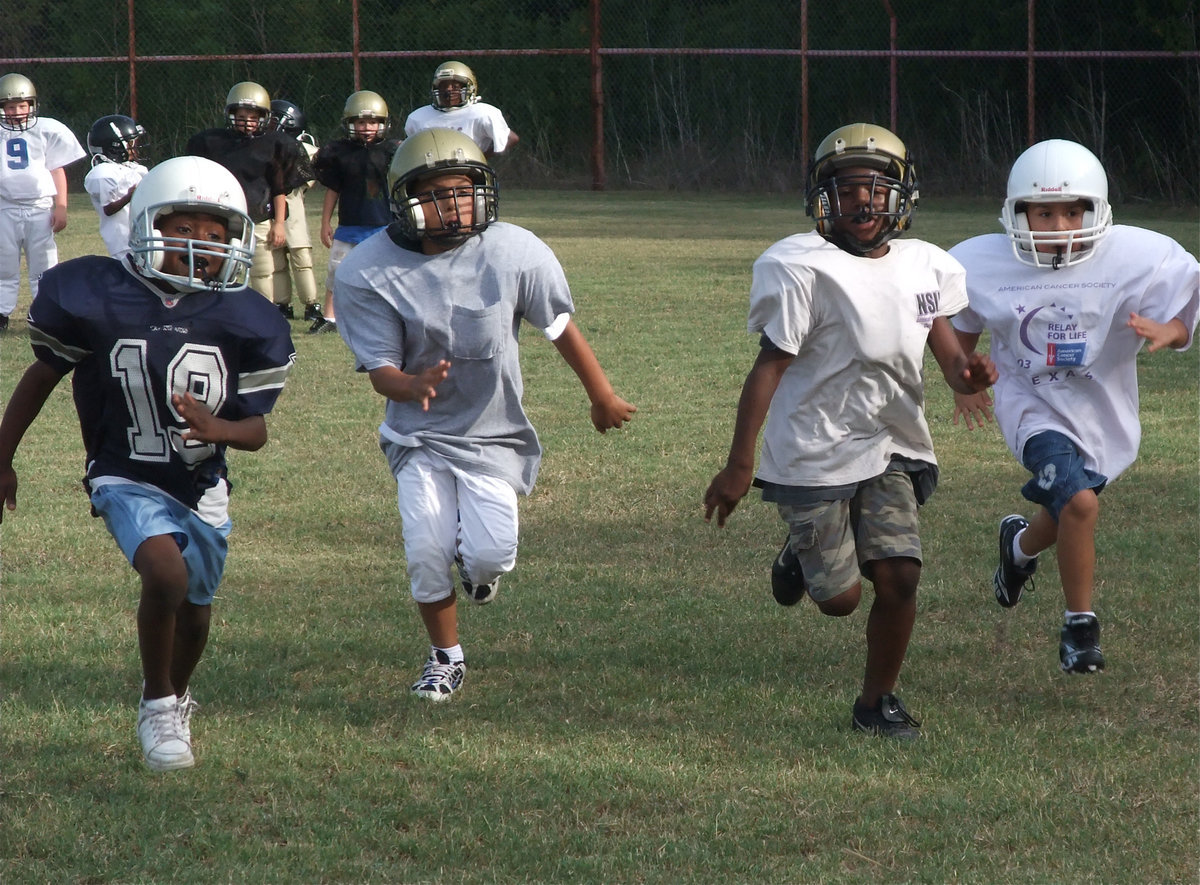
(787, 580)
(3, 322)
(320, 324)
(312, 312)
(1009, 579)
(481, 594)
(1079, 648)
(888, 718)
(286, 310)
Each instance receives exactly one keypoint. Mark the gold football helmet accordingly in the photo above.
(434, 152)
(248, 95)
(17, 87)
(861, 145)
(365, 105)
(452, 80)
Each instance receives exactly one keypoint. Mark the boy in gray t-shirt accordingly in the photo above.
(431, 307)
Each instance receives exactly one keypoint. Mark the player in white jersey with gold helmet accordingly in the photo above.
(1069, 299)
(455, 104)
(34, 151)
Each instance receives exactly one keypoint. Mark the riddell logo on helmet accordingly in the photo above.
(1051, 190)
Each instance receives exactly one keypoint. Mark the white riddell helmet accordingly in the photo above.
(1056, 171)
(191, 184)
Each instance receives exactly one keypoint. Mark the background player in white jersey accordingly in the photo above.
(456, 105)
(174, 360)
(843, 316)
(1069, 298)
(118, 146)
(34, 154)
(430, 308)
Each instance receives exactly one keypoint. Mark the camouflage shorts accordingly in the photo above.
(836, 541)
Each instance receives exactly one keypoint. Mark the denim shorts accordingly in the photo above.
(1058, 472)
(134, 513)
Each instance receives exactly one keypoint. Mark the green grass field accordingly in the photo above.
(637, 709)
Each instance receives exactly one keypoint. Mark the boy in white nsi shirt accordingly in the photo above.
(844, 314)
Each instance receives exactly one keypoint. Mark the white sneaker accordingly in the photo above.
(187, 707)
(161, 731)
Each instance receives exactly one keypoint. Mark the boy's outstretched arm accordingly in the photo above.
(733, 482)
(1172, 334)
(608, 409)
(24, 405)
(248, 434)
(394, 384)
(969, 374)
(973, 408)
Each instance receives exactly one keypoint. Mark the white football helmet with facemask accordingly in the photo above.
(1056, 171)
(191, 184)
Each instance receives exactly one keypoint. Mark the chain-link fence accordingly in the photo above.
(692, 94)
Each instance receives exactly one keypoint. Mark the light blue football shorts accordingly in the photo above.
(134, 513)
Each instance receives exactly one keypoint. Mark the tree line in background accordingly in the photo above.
(672, 119)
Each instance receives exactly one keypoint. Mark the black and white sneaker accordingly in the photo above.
(321, 325)
(1010, 578)
(481, 594)
(287, 311)
(440, 678)
(312, 312)
(1079, 647)
(888, 718)
(787, 579)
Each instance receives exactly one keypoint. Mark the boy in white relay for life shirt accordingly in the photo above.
(1069, 299)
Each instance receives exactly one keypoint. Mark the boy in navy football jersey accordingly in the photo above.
(174, 360)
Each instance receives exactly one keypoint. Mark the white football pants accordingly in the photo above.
(446, 511)
(30, 228)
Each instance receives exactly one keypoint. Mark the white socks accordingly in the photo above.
(1019, 556)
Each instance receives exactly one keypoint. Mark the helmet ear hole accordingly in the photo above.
(821, 212)
(156, 255)
(416, 215)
